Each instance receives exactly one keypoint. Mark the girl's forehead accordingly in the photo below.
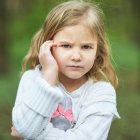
(78, 33)
(76, 30)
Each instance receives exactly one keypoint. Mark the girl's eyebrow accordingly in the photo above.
(67, 42)
(64, 42)
(90, 44)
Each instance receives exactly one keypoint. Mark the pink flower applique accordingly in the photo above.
(67, 114)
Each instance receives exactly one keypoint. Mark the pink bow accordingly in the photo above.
(67, 114)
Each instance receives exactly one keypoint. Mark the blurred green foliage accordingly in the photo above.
(26, 18)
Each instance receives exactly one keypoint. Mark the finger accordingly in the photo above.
(44, 45)
(14, 132)
(54, 45)
(53, 48)
(50, 43)
(47, 46)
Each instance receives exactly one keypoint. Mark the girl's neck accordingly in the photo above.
(72, 84)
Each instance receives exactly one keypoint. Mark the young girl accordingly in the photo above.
(68, 93)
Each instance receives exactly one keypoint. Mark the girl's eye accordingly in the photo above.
(87, 47)
(65, 46)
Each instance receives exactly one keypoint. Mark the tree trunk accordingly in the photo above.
(136, 32)
(3, 38)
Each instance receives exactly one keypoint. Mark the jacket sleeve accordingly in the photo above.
(94, 120)
(95, 127)
(35, 102)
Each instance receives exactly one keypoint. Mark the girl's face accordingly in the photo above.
(75, 52)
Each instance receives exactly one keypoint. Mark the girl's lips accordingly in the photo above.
(75, 67)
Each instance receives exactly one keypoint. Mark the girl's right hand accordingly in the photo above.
(15, 134)
(48, 62)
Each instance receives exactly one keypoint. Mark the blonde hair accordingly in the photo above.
(68, 14)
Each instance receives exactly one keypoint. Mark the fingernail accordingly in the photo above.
(54, 45)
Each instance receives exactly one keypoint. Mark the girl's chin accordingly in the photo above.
(73, 77)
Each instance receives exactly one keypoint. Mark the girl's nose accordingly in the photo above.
(76, 56)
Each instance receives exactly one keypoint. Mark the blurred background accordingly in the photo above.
(20, 19)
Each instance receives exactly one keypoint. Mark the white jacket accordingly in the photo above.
(93, 106)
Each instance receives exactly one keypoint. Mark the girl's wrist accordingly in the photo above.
(51, 76)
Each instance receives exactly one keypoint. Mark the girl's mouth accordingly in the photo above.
(75, 67)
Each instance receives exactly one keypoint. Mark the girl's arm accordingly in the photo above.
(94, 126)
(34, 91)
(35, 102)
